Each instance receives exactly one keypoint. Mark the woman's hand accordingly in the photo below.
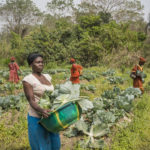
(45, 113)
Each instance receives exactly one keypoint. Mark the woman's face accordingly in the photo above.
(141, 63)
(38, 65)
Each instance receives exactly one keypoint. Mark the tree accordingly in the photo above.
(19, 14)
(131, 11)
(148, 17)
(120, 10)
(60, 8)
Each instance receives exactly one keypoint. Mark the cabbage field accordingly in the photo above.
(111, 110)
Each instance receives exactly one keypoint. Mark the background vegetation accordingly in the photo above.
(94, 32)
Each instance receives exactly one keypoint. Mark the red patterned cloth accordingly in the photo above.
(13, 74)
(76, 71)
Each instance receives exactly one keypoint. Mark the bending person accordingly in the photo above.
(76, 71)
(136, 75)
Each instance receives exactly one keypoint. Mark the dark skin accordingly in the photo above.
(72, 62)
(37, 68)
(141, 63)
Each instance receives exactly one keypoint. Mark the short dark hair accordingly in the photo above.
(32, 56)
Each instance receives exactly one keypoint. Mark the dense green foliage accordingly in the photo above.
(89, 31)
(89, 40)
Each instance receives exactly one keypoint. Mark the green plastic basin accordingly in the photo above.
(62, 118)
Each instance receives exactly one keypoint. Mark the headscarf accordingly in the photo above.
(12, 58)
(142, 59)
(32, 56)
(72, 60)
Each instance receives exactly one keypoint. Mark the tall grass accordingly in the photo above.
(13, 131)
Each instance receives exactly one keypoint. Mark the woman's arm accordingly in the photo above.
(28, 90)
(17, 67)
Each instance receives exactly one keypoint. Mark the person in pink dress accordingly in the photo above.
(13, 71)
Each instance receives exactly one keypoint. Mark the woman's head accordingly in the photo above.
(72, 60)
(35, 60)
(142, 61)
(12, 59)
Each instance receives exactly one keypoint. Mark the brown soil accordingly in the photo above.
(68, 143)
